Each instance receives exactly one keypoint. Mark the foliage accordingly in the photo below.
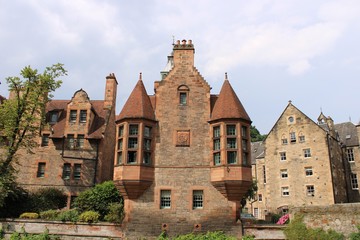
(46, 199)
(116, 213)
(247, 237)
(98, 198)
(51, 214)
(22, 115)
(250, 194)
(355, 236)
(25, 236)
(297, 230)
(29, 215)
(89, 217)
(15, 203)
(217, 235)
(71, 215)
(255, 135)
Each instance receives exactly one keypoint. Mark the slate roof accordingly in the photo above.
(257, 151)
(138, 104)
(347, 133)
(228, 105)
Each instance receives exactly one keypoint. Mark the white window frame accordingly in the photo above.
(310, 190)
(165, 199)
(198, 199)
(309, 171)
(307, 153)
(350, 154)
(285, 192)
(282, 156)
(284, 173)
(354, 181)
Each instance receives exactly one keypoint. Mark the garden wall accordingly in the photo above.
(67, 230)
(342, 218)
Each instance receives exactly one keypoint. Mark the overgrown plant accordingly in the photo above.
(89, 217)
(116, 213)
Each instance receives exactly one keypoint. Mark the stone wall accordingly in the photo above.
(342, 218)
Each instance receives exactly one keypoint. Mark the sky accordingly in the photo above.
(306, 51)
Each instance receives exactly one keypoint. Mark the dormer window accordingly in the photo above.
(73, 115)
(83, 115)
(53, 117)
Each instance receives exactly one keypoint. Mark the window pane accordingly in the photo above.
(147, 158)
(283, 173)
(45, 140)
(147, 144)
(183, 98)
(285, 191)
(244, 145)
(308, 171)
(66, 171)
(231, 143)
(282, 156)
(53, 117)
(307, 153)
(350, 155)
(119, 158)
(310, 190)
(292, 137)
(231, 157)
(77, 171)
(132, 143)
(244, 132)
(197, 199)
(83, 114)
(245, 158)
(147, 132)
(231, 130)
(70, 141)
(217, 160)
(120, 144)
(121, 131)
(354, 181)
(216, 132)
(41, 170)
(165, 199)
(217, 144)
(73, 114)
(132, 157)
(80, 141)
(133, 130)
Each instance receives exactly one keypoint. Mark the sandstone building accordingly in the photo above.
(302, 162)
(183, 154)
(76, 145)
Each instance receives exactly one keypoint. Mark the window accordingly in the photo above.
(302, 138)
(308, 171)
(133, 130)
(292, 137)
(217, 160)
(350, 154)
(45, 140)
(256, 212)
(216, 144)
(73, 116)
(132, 157)
(120, 144)
(70, 141)
(245, 158)
(307, 153)
(119, 158)
(183, 98)
(147, 144)
(231, 143)
(121, 131)
(354, 181)
(66, 171)
(283, 173)
(216, 131)
(260, 197)
(264, 174)
(147, 158)
(285, 191)
(83, 115)
(244, 145)
(41, 170)
(80, 141)
(282, 156)
(198, 199)
(244, 132)
(284, 141)
(231, 130)
(165, 199)
(132, 143)
(77, 171)
(53, 117)
(291, 119)
(310, 190)
(147, 132)
(231, 157)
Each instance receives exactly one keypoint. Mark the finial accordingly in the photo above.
(290, 101)
(226, 77)
(140, 76)
(173, 40)
(321, 109)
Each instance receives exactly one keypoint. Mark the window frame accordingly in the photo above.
(310, 190)
(354, 181)
(40, 173)
(165, 199)
(45, 139)
(292, 137)
(284, 173)
(77, 171)
(309, 171)
(198, 199)
(282, 156)
(73, 116)
(350, 155)
(285, 191)
(66, 174)
(307, 152)
(83, 116)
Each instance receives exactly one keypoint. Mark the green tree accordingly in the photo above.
(250, 194)
(255, 135)
(98, 198)
(22, 115)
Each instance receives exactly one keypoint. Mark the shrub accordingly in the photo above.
(71, 215)
(98, 198)
(50, 214)
(29, 215)
(116, 213)
(46, 199)
(89, 217)
(15, 203)
(217, 235)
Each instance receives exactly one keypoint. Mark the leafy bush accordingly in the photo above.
(25, 236)
(116, 213)
(46, 199)
(246, 237)
(29, 215)
(89, 217)
(218, 235)
(98, 198)
(50, 214)
(71, 215)
(297, 230)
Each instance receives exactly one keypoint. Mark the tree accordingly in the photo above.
(250, 194)
(255, 135)
(22, 115)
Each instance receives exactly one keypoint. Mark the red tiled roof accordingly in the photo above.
(138, 104)
(228, 105)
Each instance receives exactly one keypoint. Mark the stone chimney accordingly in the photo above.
(110, 91)
(184, 53)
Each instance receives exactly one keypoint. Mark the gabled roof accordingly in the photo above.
(228, 105)
(348, 133)
(138, 104)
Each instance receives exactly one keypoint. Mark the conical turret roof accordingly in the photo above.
(138, 104)
(228, 105)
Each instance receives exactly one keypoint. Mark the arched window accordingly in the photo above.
(183, 94)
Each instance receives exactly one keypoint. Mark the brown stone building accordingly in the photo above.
(182, 155)
(299, 163)
(76, 145)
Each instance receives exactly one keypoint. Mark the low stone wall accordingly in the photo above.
(268, 232)
(65, 230)
(342, 218)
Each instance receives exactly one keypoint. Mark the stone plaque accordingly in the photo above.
(183, 138)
